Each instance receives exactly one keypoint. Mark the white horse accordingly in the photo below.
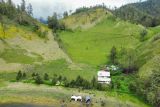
(76, 98)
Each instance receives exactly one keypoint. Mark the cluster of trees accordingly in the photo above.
(20, 14)
(146, 13)
(20, 76)
(124, 58)
(79, 82)
(148, 89)
(54, 23)
(86, 9)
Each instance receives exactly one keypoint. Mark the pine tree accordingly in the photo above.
(93, 82)
(65, 14)
(38, 79)
(10, 2)
(30, 9)
(24, 75)
(19, 76)
(54, 81)
(113, 55)
(46, 77)
(23, 5)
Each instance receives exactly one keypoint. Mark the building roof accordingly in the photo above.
(104, 79)
(103, 73)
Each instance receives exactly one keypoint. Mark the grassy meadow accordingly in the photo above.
(92, 45)
(56, 96)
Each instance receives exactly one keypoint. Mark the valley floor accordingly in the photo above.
(30, 95)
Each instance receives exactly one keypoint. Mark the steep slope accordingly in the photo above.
(145, 13)
(22, 47)
(92, 45)
(149, 54)
(23, 40)
(85, 19)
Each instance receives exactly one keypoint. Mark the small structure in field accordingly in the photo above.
(76, 98)
(104, 77)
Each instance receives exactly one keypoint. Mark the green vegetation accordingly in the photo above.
(61, 67)
(92, 42)
(93, 45)
(113, 41)
(145, 13)
(19, 56)
(53, 96)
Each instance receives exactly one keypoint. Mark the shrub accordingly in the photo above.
(19, 76)
(38, 79)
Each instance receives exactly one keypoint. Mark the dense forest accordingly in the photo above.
(146, 13)
(20, 14)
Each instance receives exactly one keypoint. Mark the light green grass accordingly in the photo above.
(61, 67)
(19, 56)
(41, 94)
(93, 45)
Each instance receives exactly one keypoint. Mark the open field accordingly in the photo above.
(54, 96)
(93, 45)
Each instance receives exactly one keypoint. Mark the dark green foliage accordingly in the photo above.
(103, 104)
(143, 34)
(33, 74)
(146, 13)
(46, 77)
(113, 55)
(94, 82)
(54, 23)
(19, 76)
(128, 60)
(23, 5)
(59, 78)
(3, 25)
(149, 88)
(24, 75)
(17, 14)
(87, 9)
(65, 14)
(38, 79)
(36, 28)
(7, 9)
(30, 9)
(54, 81)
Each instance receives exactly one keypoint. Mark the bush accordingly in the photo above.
(46, 77)
(157, 37)
(38, 79)
(19, 76)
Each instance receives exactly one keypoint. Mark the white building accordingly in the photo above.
(104, 77)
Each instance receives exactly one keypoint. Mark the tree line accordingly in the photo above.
(19, 13)
(148, 89)
(124, 58)
(146, 13)
(59, 80)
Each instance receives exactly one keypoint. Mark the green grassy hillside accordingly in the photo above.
(21, 45)
(93, 45)
(87, 40)
(85, 19)
(149, 54)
